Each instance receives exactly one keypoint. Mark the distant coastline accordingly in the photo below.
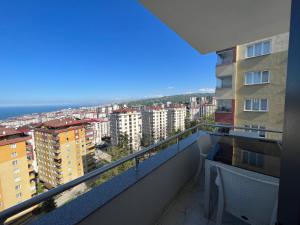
(7, 112)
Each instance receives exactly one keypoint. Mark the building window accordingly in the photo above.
(257, 105)
(252, 158)
(14, 162)
(224, 105)
(18, 195)
(16, 170)
(224, 82)
(18, 187)
(225, 57)
(258, 49)
(257, 77)
(13, 146)
(259, 132)
(14, 154)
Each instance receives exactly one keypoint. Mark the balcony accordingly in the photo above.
(163, 188)
(30, 168)
(32, 175)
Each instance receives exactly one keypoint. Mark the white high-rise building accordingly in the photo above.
(126, 121)
(194, 108)
(101, 129)
(208, 107)
(154, 120)
(176, 118)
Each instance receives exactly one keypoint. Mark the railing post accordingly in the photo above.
(137, 162)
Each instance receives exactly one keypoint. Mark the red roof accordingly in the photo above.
(62, 123)
(154, 108)
(124, 110)
(4, 131)
(96, 120)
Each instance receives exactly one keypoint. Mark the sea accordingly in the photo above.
(14, 111)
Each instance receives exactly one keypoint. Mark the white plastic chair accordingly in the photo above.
(204, 143)
(249, 196)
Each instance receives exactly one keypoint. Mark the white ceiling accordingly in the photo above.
(210, 25)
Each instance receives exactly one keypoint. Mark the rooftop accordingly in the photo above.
(154, 108)
(4, 131)
(62, 123)
(96, 120)
(124, 110)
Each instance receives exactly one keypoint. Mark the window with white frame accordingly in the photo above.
(258, 49)
(252, 158)
(260, 133)
(257, 105)
(13, 146)
(257, 77)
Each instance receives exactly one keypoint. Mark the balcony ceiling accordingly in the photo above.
(211, 25)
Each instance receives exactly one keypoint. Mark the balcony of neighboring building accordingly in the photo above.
(32, 175)
(30, 168)
(225, 62)
(224, 87)
(225, 111)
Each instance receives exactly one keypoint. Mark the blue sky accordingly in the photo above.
(55, 52)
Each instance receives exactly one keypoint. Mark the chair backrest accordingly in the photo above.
(248, 195)
(204, 143)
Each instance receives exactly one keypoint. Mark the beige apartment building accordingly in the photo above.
(251, 80)
(176, 114)
(126, 121)
(17, 178)
(64, 148)
(154, 121)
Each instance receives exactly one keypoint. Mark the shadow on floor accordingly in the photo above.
(187, 208)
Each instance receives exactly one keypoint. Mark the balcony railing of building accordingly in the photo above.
(137, 157)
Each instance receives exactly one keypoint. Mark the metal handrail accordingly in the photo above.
(5, 214)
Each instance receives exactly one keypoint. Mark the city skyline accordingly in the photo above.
(81, 53)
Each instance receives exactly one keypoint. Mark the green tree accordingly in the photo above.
(208, 120)
(187, 120)
(40, 188)
(123, 141)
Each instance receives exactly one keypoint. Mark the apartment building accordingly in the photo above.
(251, 80)
(193, 108)
(63, 147)
(154, 120)
(101, 129)
(126, 121)
(88, 156)
(17, 178)
(176, 115)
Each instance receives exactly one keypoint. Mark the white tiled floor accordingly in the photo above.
(187, 208)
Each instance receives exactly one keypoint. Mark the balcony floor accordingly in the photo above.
(187, 208)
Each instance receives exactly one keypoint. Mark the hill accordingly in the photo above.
(183, 98)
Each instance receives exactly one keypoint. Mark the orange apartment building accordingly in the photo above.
(64, 149)
(17, 178)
